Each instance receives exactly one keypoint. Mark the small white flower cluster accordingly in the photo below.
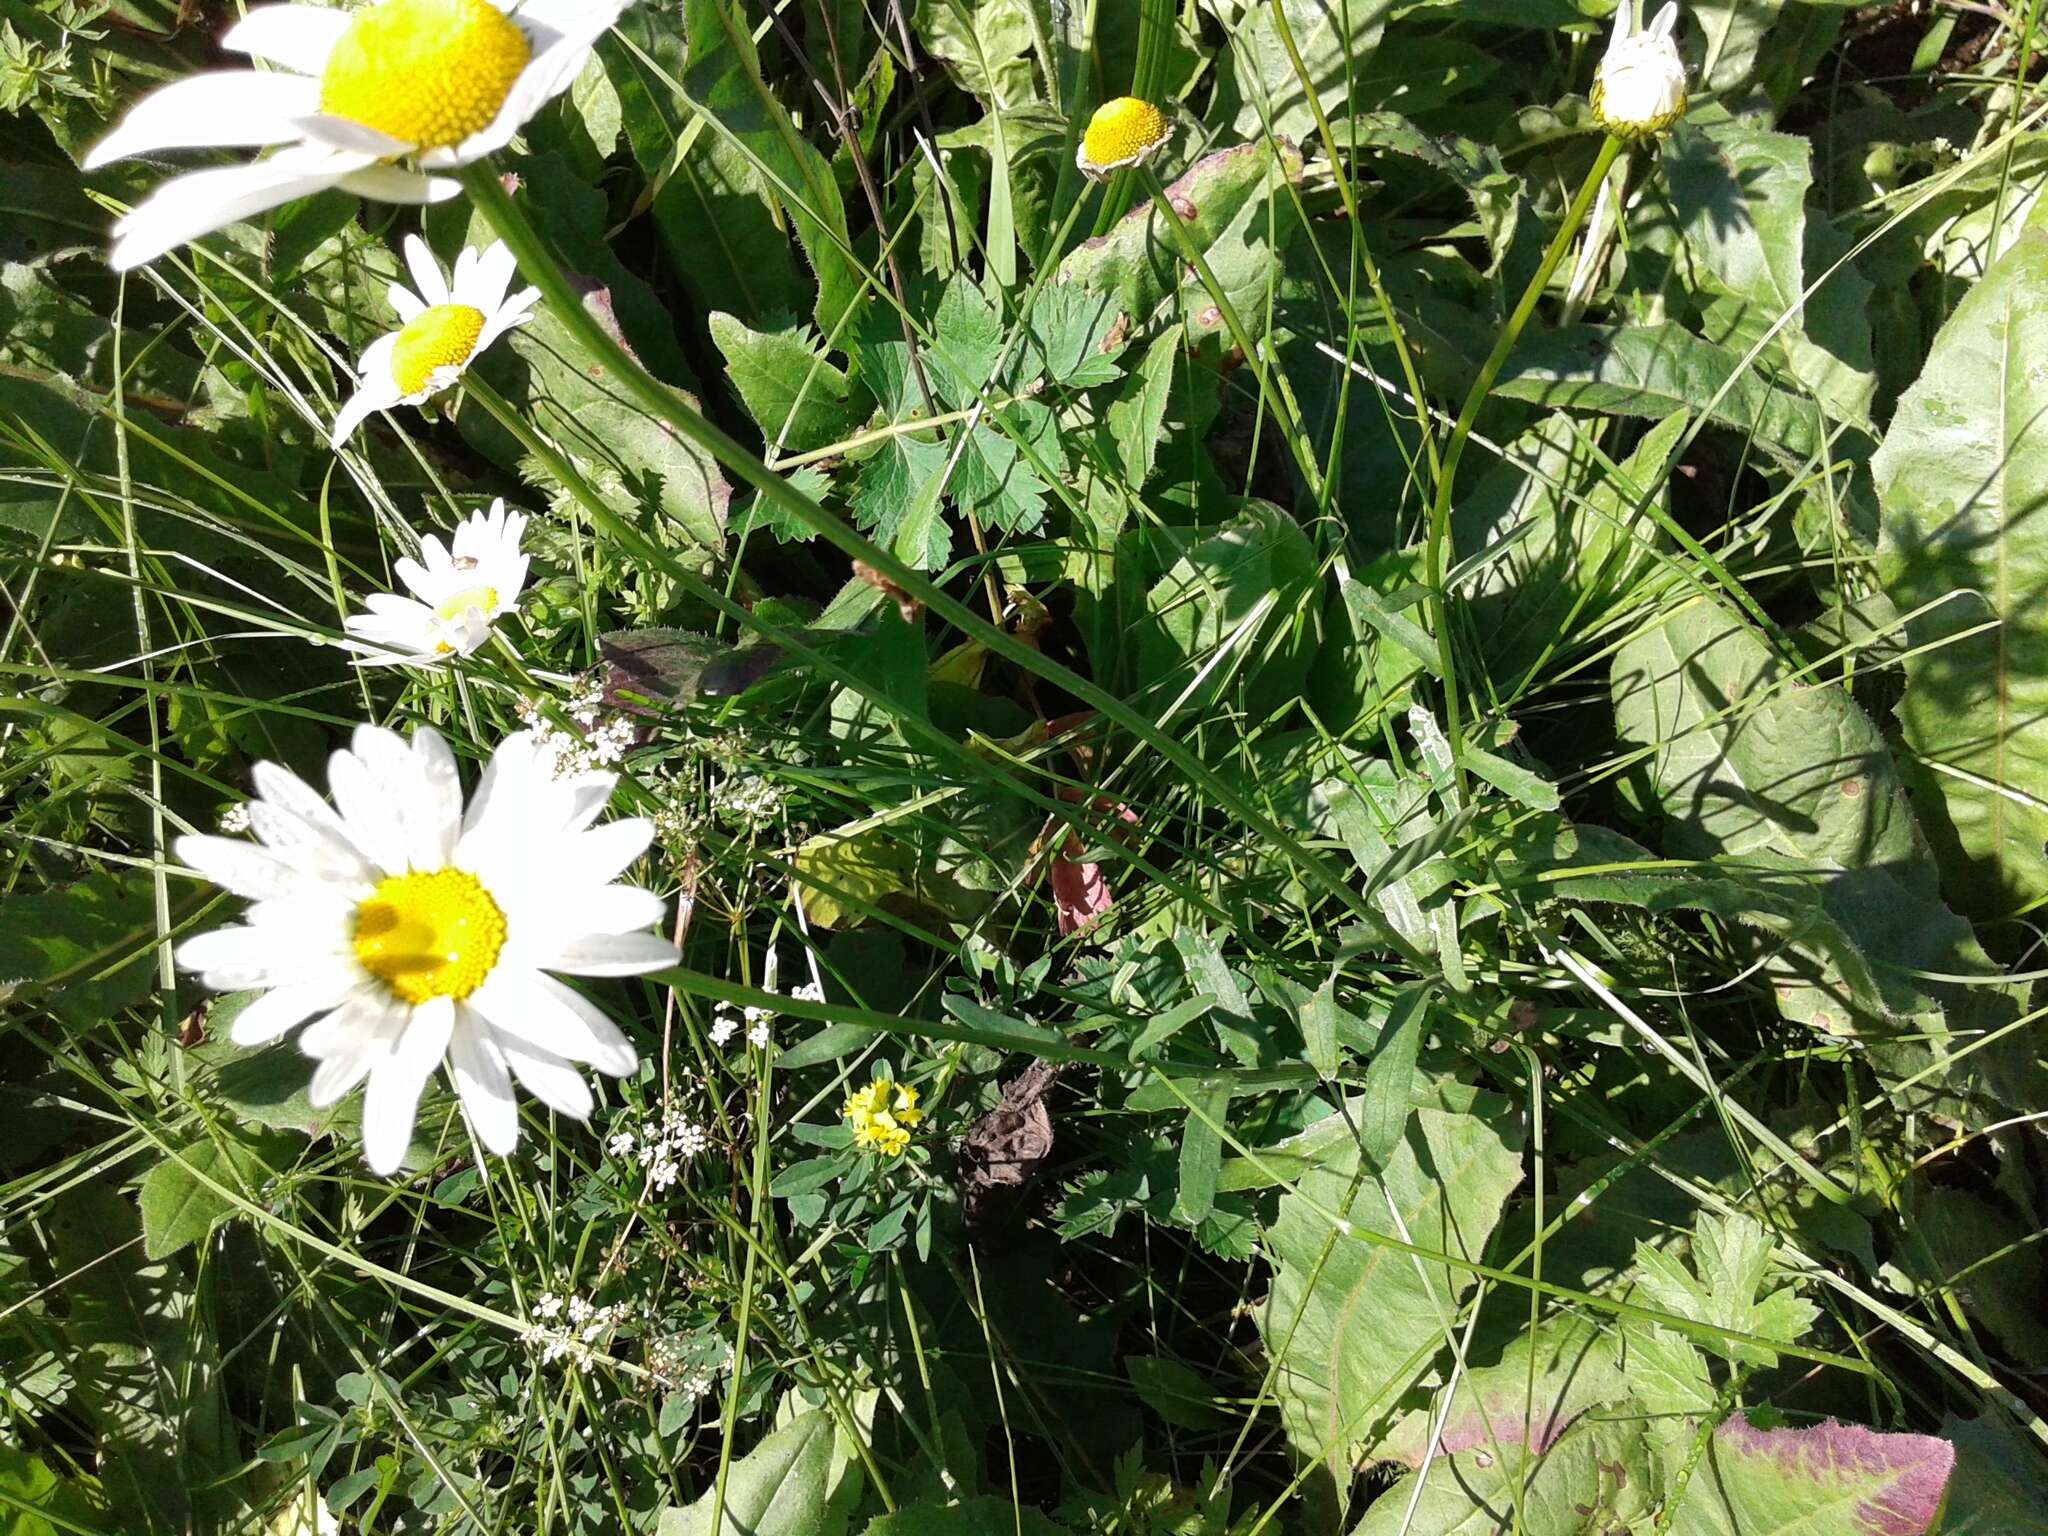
(689, 1363)
(726, 1020)
(234, 821)
(661, 1147)
(602, 738)
(750, 799)
(570, 1327)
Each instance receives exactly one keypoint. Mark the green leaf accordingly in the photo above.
(89, 942)
(798, 399)
(1731, 1290)
(970, 1517)
(1654, 370)
(1961, 477)
(1233, 209)
(1829, 1480)
(1352, 1325)
(782, 1487)
(1564, 543)
(718, 219)
(1176, 1392)
(1390, 1077)
(1071, 337)
(180, 1208)
(1739, 194)
(1595, 1481)
(1543, 1381)
(723, 82)
(27, 1485)
(1201, 1155)
(1335, 40)
(1745, 762)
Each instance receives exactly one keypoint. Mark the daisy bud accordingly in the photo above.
(1639, 88)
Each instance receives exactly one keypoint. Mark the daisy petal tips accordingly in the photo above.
(417, 932)
(457, 595)
(371, 101)
(445, 324)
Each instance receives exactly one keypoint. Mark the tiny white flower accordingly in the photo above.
(620, 1144)
(372, 101)
(457, 594)
(758, 1034)
(234, 820)
(413, 930)
(724, 1024)
(547, 1305)
(1639, 88)
(809, 992)
(443, 328)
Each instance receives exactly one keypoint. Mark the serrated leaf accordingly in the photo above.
(1731, 1289)
(781, 1487)
(798, 398)
(1333, 42)
(1595, 1481)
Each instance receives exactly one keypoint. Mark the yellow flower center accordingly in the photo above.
(1123, 132)
(427, 72)
(441, 337)
(429, 935)
(482, 598)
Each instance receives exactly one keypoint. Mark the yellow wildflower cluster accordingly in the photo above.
(882, 1115)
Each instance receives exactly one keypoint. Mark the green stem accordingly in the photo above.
(672, 410)
(1438, 549)
(1273, 387)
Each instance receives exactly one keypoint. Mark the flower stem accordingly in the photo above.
(1437, 550)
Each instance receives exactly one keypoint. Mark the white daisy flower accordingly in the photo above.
(445, 326)
(412, 930)
(456, 597)
(371, 101)
(1639, 88)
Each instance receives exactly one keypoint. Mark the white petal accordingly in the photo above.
(426, 272)
(366, 805)
(540, 1011)
(489, 276)
(482, 1083)
(282, 1009)
(392, 1099)
(349, 1041)
(601, 855)
(200, 202)
(595, 909)
(288, 792)
(300, 37)
(216, 110)
(548, 1078)
(407, 304)
(244, 868)
(346, 133)
(389, 184)
(611, 954)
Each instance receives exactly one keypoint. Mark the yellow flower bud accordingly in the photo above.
(1122, 133)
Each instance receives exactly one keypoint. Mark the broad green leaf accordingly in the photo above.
(1999, 1487)
(1595, 1481)
(723, 82)
(1543, 1381)
(1201, 1155)
(1654, 370)
(1829, 1480)
(782, 1487)
(1234, 210)
(179, 1208)
(1744, 761)
(1176, 1392)
(1335, 40)
(1352, 1325)
(971, 1517)
(1245, 586)
(798, 398)
(1390, 1077)
(1961, 477)
(89, 942)
(719, 221)
(1739, 194)
(27, 1485)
